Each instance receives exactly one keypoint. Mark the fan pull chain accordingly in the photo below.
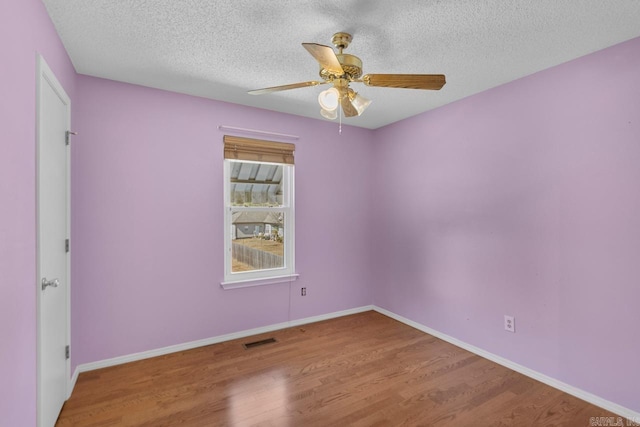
(340, 115)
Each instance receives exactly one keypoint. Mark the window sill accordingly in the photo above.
(236, 284)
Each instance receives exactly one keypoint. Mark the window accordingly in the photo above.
(259, 218)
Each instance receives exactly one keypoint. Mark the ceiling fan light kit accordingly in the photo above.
(359, 102)
(328, 99)
(329, 114)
(340, 69)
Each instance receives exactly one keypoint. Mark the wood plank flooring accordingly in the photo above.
(359, 370)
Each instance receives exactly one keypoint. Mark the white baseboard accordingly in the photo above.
(85, 367)
(574, 391)
(72, 382)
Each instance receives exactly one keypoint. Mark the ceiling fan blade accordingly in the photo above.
(283, 87)
(407, 81)
(325, 56)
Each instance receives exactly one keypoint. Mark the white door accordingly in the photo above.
(53, 230)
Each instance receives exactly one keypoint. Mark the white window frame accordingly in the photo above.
(261, 277)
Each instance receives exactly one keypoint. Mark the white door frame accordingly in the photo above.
(46, 76)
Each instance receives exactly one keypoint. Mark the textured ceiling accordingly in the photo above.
(221, 49)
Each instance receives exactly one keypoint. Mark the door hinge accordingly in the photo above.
(68, 136)
(66, 245)
(66, 352)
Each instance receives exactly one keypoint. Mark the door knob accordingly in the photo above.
(53, 283)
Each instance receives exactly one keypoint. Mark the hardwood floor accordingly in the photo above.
(359, 370)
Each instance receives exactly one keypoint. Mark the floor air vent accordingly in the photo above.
(258, 343)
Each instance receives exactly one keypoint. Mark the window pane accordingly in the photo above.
(257, 240)
(255, 184)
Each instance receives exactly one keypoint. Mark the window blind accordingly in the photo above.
(238, 148)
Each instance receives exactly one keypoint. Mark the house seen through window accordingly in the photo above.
(258, 210)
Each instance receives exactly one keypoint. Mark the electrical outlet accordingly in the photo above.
(509, 323)
(303, 292)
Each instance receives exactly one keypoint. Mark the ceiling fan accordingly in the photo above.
(341, 69)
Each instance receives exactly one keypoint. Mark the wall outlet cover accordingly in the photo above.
(509, 323)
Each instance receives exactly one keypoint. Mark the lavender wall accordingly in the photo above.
(148, 221)
(25, 29)
(523, 200)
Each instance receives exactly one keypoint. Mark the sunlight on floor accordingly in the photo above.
(256, 398)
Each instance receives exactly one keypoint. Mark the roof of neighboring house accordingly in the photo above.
(255, 217)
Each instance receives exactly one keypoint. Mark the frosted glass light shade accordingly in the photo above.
(328, 99)
(331, 115)
(360, 103)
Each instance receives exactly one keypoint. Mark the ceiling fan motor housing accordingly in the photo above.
(351, 65)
